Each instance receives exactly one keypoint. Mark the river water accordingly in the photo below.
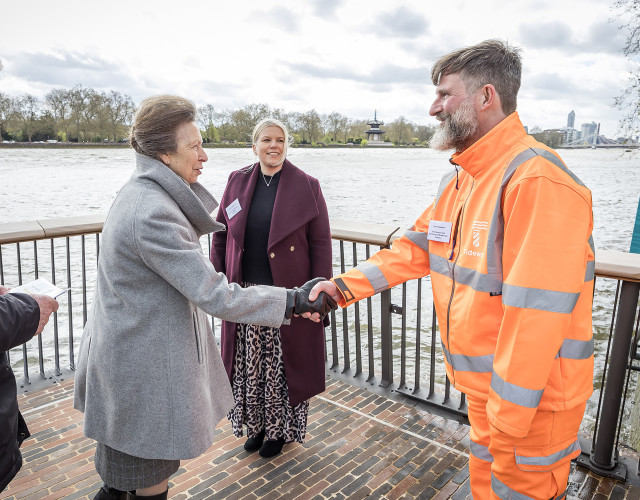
(385, 186)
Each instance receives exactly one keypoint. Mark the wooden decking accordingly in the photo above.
(358, 445)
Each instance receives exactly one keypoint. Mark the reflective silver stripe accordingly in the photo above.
(446, 179)
(504, 492)
(475, 279)
(537, 298)
(464, 363)
(496, 227)
(549, 459)
(439, 265)
(559, 163)
(592, 244)
(528, 398)
(576, 349)
(481, 452)
(478, 281)
(374, 275)
(591, 271)
(418, 238)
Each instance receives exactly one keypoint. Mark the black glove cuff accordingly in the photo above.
(291, 303)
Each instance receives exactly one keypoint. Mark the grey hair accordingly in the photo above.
(156, 122)
(272, 122)
(492, 62)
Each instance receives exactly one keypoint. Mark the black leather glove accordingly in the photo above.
(298, 301)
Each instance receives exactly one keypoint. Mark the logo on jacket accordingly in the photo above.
(476, 227)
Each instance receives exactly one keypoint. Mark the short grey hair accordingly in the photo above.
(272, 122)
(156, 122)
(492, 62)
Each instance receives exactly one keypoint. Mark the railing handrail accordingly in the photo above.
(609, 263)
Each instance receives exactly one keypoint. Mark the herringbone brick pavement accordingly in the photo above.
(358, 445)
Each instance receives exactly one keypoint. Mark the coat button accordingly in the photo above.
(292, 248)
(272, 255)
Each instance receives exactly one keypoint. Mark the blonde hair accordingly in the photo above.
(272, 122)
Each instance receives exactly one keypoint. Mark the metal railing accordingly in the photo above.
(387, 343)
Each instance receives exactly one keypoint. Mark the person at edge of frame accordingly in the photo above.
(508, 245)
(21, 317)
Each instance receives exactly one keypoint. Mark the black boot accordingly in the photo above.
(159, 496)
(254, 443)
(271, 447)
(108, 493)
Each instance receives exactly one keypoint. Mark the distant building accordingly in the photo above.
(374, 134)
(571, 135)
(590, 133)
(571, 119)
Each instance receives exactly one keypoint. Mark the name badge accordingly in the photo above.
(439, 231)
(235, 207)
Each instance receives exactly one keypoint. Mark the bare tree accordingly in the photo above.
(59, 103)
(119, 109)
(629, 100)
(6, 111)
(311, 125)
(25, 114)
(336, 123)
(206, 118)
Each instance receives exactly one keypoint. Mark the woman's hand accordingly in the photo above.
(299, 303)
(324, 287)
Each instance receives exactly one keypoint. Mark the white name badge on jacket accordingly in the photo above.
(439, 231)
(233, 208)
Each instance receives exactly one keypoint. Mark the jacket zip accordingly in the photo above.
(457, 238)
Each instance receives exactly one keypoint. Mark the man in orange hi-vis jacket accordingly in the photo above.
(508, 244)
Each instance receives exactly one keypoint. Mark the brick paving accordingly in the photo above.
(358, 445)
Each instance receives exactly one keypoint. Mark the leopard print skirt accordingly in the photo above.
(259, 387)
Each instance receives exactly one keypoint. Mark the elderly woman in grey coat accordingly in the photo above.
(149, 378)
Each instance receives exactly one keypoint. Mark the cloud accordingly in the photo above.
(325, 8)
(401, 23)
(555, 34)
(550, 85)
(600, 37)
(279, 17)
(381, 75)
(68, 69)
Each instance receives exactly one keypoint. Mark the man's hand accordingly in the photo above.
(3, 290)
(327, 287)
(47, 306)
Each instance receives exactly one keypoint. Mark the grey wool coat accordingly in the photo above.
(149, 377)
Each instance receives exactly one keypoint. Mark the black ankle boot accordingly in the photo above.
(108, 493)
(159, 496)
(271, 447)
(254, 443)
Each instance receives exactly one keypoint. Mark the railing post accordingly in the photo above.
(386, 345)
(602, 459)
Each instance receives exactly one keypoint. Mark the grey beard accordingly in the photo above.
(456, 131)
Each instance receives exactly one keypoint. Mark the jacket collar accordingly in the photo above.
(484, 152)
(294, 206)
(193, 199)
(295, 203)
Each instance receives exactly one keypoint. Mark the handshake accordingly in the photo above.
(298, 301)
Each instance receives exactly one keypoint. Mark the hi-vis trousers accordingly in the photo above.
(534, 467)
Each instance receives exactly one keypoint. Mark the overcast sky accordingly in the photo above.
(350, 56)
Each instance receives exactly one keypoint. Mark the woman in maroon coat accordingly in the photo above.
(277, 234)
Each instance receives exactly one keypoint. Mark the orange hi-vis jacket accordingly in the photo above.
(511, 260)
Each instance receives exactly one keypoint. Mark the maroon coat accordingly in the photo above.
(299, 249)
